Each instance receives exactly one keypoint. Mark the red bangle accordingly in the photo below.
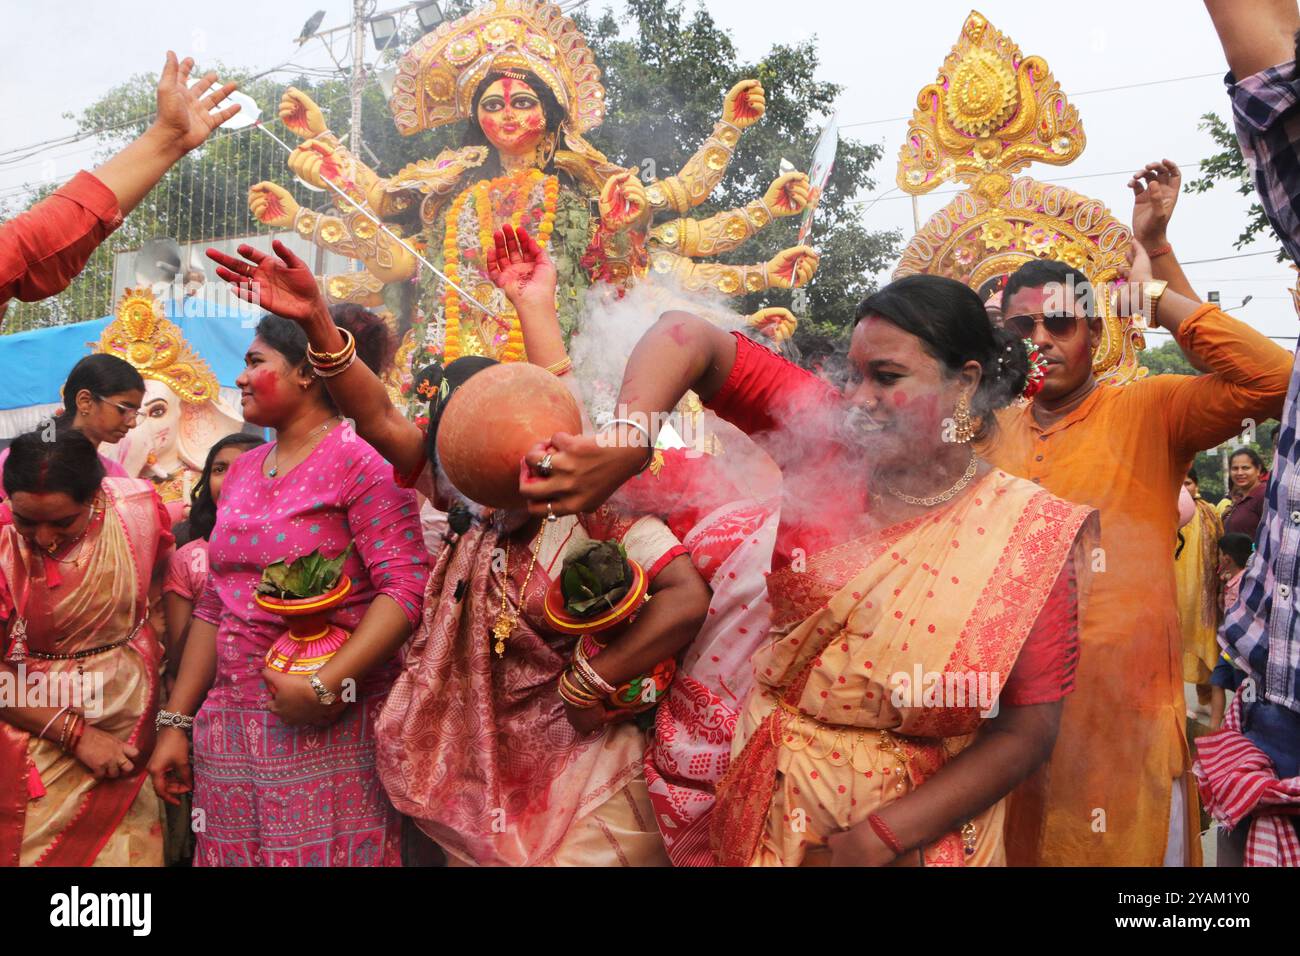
(1161, 251)
(886, 835)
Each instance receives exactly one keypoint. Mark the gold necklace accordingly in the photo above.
(275, 468)
(75, 559)
(507, 619)
(940, 498)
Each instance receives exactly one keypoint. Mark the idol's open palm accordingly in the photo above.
(281, 284)
(520, 268)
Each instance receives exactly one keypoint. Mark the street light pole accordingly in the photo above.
(358, 71)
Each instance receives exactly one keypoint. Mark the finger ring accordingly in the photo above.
(543, 467)
(550, 513)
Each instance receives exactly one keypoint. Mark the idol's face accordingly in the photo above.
(511, 116)
(161, 418)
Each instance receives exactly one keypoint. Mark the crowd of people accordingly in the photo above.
(958, 631)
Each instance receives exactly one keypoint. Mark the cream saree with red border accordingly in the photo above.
(829, 734)
(79, 821)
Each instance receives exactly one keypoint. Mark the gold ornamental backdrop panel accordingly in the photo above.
(991, 112)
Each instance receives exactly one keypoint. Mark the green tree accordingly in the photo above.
(1229, 166)
(666, 72)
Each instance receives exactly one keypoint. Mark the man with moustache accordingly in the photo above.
(1118, 791)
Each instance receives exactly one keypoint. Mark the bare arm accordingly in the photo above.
(178, 612)
(287, 287)
(680, 353)
(667, 624)
(1255, 34)
(1008, 748)
(197, 671)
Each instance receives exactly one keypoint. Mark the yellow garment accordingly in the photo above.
(954, 592)
(1125, 450)
(1196, 577)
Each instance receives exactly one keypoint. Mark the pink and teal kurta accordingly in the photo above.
(269, 794)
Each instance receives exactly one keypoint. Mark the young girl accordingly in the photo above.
(188, 568)
(1234, 552)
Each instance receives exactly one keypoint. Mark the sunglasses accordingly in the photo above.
(1059, 325)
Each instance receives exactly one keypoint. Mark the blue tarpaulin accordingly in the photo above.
(34, 365)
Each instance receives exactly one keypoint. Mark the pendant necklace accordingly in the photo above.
(508, 618)
(275, 466)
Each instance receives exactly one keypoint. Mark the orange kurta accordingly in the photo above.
(1104, 798)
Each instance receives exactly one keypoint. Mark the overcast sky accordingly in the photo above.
(62, 54)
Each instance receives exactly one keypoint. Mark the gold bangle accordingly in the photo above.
(563, 367)
(571, 696)
(584, 670)
(329, 359)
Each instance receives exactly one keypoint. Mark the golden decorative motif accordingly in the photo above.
(437, 77)
(142, 335)
(981, 94)
(991, 113)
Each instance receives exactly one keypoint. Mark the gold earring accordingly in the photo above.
(963, 424)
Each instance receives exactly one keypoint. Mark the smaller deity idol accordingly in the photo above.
(182, 415)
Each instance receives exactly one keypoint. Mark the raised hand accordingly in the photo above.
(745, 104)
(623, 201)
(272, 205)
(184, 115)
(313, 163)
(1155, 194)
(521, 269)
(788, 195)
(792, 267)
(301, 114)
(776, 323)
(284, 285)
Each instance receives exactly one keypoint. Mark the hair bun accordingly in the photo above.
(1006, 372)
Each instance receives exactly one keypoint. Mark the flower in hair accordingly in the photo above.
(1037, 370)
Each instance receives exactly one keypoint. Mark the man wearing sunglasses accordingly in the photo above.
(1118, 791)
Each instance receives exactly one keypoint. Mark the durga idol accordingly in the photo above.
(523, 80)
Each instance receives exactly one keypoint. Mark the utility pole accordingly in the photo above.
(358, 71)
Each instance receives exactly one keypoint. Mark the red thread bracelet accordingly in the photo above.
(886, 835)
(1161, 251)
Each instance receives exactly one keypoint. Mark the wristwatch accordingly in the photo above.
(167, 718)
(1151, 293)
(323, 693)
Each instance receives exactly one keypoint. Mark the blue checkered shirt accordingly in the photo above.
(1259, 631)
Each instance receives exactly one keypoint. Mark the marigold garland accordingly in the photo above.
(517, 185)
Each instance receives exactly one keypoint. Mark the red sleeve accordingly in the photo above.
(1044, 671)
(763, 387)
(43, 249)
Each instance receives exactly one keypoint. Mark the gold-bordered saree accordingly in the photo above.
(79, 821)
(823, 740)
